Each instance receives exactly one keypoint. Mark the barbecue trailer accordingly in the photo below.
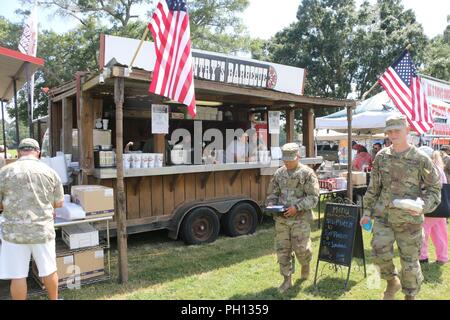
(195, 200)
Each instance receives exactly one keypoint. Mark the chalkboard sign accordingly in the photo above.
(341, 238)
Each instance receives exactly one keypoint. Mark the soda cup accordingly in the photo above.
(368, 226)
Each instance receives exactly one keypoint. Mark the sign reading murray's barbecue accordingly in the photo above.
(210, 66)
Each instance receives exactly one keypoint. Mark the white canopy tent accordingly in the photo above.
(368, 118)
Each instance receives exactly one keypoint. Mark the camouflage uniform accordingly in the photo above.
(407, 175)
(299, 188)
(446, 159)
(28, 190)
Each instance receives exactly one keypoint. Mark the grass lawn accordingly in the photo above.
(12, 153)
(239, 268)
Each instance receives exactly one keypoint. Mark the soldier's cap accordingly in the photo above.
(29, 143)
(445, 147)
(290, 151)
(396, 122)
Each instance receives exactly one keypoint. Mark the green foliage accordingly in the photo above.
(340, 45)
(437, 55)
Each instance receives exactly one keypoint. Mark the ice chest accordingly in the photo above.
(358, 178)
(93, 199)
(80, 236)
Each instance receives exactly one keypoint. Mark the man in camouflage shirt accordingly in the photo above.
(400, 171)
(295, 186)
(29, 192)
(445, 150)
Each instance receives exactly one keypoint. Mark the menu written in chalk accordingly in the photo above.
(341, 238)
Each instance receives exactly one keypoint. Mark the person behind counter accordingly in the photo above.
(29, 192)
(145, 147)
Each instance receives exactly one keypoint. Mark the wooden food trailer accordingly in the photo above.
(193, 201)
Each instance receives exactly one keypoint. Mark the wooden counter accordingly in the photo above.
(266, 169)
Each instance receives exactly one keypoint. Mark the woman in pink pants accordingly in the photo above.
(435, 227)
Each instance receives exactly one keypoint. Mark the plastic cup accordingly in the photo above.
(159, 160)
(127, 161)
(145, 159)
(368, 226)
(137, 160)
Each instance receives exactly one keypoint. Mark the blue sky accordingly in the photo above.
(265, 17)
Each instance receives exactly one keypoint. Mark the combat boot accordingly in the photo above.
(393, 286)
(408, 297)
(286, 285)
(305, 272)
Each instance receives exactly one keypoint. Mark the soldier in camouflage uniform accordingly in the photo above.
(400, 171)
(445, 150)
(296, 187)
(29, 192)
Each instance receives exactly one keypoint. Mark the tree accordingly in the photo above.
(437, 56)
(116, 11)
(9, 33)
(340, 45)
(383, 32)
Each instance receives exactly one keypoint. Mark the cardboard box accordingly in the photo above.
(65, 269)
(93, 199)
(358, 178)
(91, 263)
(80, 236)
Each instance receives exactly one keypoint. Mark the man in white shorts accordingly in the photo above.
(29, 192)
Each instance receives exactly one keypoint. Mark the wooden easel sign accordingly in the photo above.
(341, 239)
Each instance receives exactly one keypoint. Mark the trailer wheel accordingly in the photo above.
(241, 220)
(200, 226)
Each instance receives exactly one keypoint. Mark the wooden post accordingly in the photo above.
(86, 141)
(290, 125)
(16, 109)
(349, 141)
(67, 115)
(308, 131)
(159, 143)
(119, 89)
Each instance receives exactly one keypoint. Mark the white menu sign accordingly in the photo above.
(160, 119)
(274, 122)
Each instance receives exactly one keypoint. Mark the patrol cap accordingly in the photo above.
(29, 143)
(396, 122)
(290, 151)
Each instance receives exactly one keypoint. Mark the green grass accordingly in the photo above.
(12, 153)
(238, 268)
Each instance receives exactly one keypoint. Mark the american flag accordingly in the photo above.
(172, 75)
(404, 88)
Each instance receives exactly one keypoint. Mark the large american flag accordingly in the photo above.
(172, 75)
(404, 88)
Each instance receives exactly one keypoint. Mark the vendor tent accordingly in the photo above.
(369, 117)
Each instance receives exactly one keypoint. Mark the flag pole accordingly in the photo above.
(144, 36)
(408, 47)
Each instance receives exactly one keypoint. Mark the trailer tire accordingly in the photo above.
(200, 226)
(241, 220)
